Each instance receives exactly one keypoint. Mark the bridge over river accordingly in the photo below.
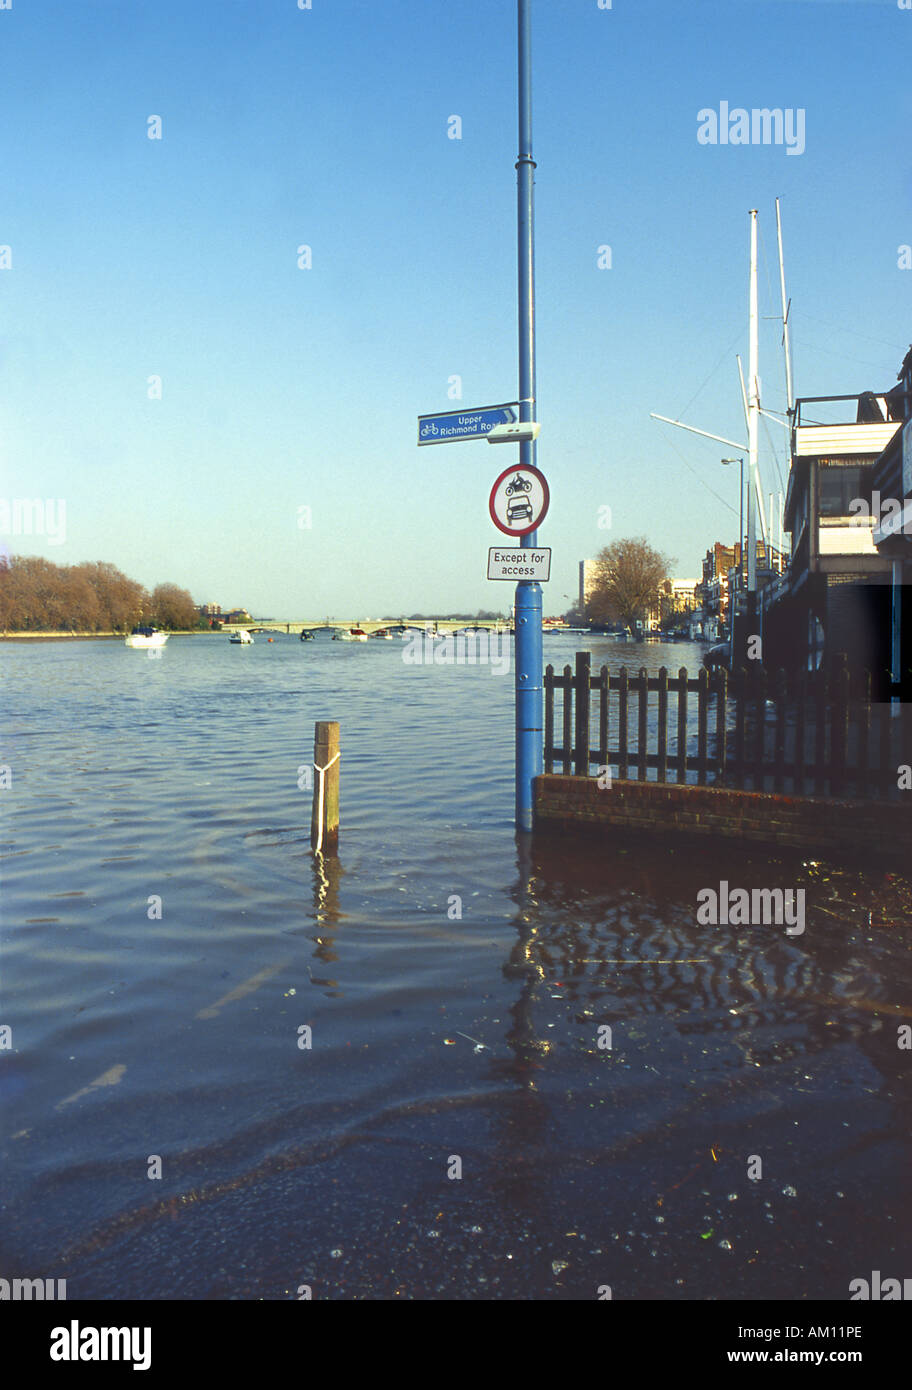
(442, 625)
(295, 625)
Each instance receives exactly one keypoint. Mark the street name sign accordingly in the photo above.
(519, 500)
(519, 562)
(455, 425)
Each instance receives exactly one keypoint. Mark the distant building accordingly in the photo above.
(587, 581)
(683, 594)
(711, 592)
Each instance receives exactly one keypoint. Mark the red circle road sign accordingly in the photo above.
(519, 500)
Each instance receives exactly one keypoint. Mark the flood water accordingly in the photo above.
(458, 1126)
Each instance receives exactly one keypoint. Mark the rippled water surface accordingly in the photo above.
(455, 1129)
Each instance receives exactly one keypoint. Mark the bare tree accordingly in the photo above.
(122, 602)
(629, 576)
(172, 607)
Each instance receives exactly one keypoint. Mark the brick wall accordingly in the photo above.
(755, 818)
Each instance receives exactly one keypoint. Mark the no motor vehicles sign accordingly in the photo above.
(519, 500)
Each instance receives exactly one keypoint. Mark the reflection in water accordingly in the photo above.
(327, 916)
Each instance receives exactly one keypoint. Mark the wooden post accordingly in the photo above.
(549, 718)
(662, 750)
(642, 774)
(568, 720)
(581, 751)
(324, 821)
(702, 713)
(721, 724)
(622, 724)
(682, 724)
(603, 717)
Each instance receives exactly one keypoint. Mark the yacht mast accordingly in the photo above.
(753, 425)
(785, 323)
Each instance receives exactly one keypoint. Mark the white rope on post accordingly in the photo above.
(322, 771)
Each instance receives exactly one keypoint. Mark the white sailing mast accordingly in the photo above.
(753, 426)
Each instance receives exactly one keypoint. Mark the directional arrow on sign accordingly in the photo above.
(455, 425)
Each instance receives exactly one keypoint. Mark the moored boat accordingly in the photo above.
(241, 639)
(146, 636)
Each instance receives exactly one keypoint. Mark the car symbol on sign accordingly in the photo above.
(519, 507)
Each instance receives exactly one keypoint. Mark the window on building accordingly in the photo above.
(838, 487)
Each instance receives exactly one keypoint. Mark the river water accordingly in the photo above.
(458, 1126)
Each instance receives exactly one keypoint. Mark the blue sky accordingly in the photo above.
(285, 388)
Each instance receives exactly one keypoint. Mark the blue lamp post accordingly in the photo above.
(528, 604)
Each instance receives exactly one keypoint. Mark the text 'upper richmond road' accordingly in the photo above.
(464, 424)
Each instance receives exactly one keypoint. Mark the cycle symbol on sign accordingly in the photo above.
(518, 484)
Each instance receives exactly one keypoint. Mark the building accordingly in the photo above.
(891, 515)
(711, 592)
(676, 597)
(683, 594)
(587, 577)
(837, 594)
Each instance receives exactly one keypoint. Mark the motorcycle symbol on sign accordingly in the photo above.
(518, 484)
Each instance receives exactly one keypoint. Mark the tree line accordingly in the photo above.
(38, 596)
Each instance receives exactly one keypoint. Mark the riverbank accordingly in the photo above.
(93, 636)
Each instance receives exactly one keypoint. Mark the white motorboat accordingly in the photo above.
(354, 634)
(241, 639)
(146, 637)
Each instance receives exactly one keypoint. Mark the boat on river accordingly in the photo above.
(241, 639)
(146, 636)
(354, 634)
